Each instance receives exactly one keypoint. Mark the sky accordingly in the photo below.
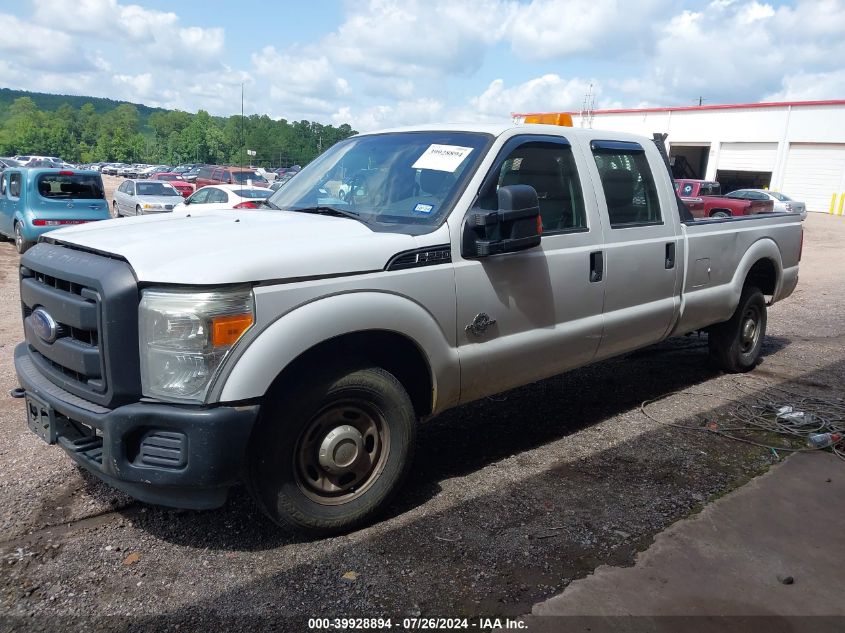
(382, 63)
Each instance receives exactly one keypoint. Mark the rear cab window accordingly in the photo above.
(628, 184)
(77, 186)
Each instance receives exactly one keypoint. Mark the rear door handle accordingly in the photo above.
(596, 266)
(670, 255)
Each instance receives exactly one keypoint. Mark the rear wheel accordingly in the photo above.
(736, 344)
(330, 451)
(21, 244)
(720, 214)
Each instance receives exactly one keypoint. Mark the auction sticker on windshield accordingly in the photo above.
(442, 157)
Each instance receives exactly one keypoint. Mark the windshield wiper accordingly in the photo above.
(325, 210)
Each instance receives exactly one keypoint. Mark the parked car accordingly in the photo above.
(218, 175)
(299, 346)
(140, 197)
(782, 203)
(111, 169)
(9, 162)
(191, 174)
(185, 189)
(45, 162)
(225, 197)
(703, 199)
(34, 201)
(281, 180)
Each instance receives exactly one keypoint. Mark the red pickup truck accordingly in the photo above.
(704, 199)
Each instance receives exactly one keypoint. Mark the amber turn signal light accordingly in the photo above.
(226, 330)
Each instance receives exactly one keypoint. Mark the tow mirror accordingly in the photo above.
(516, 225)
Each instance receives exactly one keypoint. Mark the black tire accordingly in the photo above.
(21, 244)
(114, 211)
(735, 345)
(720, 213)
(138, 210)
(295, 432)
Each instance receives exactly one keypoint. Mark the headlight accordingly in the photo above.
(184, 337)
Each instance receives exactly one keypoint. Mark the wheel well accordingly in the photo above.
(715, 211)
(391, 351)
(763, 274)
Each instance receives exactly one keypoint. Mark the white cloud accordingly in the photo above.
(383, 116)
(40, 47)
(549, 29)
(810, 87)
(149, 33)
(541, 94)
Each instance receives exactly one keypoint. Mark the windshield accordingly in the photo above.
(404, 181)
(243, 176)
(80, 186)
(156, 189)
(253, 193)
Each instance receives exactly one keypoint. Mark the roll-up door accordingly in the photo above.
(814, 173)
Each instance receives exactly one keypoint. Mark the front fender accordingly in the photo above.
(308, 325)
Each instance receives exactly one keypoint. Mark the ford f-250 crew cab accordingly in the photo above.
(300, 344)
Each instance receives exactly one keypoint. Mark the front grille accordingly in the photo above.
(90, 348)
(75, 352)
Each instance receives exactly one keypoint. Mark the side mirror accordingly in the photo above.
(516, 226)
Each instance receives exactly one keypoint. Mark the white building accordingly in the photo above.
(797, 148)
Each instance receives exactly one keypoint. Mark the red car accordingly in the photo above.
(184, 188)
(704, 199)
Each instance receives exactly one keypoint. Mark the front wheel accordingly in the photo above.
(114, 212)
(330, 452)
(138, 210)
(736, 344)
(22, 245)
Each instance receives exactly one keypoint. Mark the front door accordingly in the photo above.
(536, 313)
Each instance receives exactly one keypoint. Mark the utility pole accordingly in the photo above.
(700, 100)
(243, 136)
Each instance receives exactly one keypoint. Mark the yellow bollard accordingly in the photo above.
(841, 203)
(832, 203)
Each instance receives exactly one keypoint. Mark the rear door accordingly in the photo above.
(641, 246)
(68, 196)
(5, 205)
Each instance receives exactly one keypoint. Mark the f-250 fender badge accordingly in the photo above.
(479, 324)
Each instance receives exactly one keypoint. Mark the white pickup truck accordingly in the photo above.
(298, 346)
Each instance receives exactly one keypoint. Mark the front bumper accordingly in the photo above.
(180, 456)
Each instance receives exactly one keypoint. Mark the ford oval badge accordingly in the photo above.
(44, 325)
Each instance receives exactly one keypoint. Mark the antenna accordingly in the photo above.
(588, 107)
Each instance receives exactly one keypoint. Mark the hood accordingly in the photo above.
(223, 247)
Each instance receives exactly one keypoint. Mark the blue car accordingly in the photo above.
(35, 200)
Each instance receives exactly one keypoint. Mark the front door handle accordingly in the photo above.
(596, 266)
(670, 255)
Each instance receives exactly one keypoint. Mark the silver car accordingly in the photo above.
(783, 204)
(139, 197)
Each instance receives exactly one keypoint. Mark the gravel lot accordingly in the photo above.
(510, 500)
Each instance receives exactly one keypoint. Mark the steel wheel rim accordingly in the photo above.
(341, 452)
(749, 332)
(18, 237)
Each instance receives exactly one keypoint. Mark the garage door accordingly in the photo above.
(814, 173)
(748, 156)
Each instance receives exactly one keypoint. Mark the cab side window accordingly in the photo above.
(627, 182)
(549, 168)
